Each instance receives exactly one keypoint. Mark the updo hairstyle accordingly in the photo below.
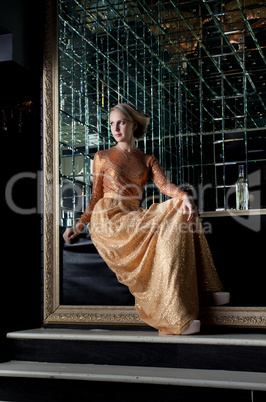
(132, 114)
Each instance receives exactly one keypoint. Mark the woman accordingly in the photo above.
(165, 262)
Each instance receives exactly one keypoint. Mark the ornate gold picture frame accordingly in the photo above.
(54, 313)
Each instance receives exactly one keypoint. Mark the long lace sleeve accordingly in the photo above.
(162, 182)
(97, 190)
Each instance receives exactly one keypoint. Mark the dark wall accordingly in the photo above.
(20, 133)
(24, 20)
(238, 248)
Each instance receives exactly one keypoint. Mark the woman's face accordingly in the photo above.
(121, 128)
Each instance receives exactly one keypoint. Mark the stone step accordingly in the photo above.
(235, 352)
(127, 374)
(97, 335)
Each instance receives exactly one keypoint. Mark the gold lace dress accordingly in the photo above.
(163, 259)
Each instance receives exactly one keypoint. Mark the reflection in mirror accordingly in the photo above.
(198, 70)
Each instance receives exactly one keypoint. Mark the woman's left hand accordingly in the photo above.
(189, 208)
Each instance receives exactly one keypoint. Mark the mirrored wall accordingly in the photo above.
(197, 68)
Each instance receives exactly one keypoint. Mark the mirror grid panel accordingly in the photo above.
(196, 67)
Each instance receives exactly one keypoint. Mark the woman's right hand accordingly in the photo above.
(72, 232)
(189, 207)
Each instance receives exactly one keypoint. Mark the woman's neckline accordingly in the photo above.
(126, 152)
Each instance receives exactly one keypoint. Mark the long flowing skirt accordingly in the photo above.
(163, 259)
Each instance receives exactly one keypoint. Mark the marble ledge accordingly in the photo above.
(232, 212)
(138, 336)
(128, 374)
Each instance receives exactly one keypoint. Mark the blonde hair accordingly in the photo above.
(132, 114)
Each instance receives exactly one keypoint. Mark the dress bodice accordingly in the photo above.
(126, 174)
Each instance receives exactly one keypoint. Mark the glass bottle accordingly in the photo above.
(242, 195)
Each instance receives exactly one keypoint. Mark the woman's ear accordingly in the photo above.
(135, 125)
